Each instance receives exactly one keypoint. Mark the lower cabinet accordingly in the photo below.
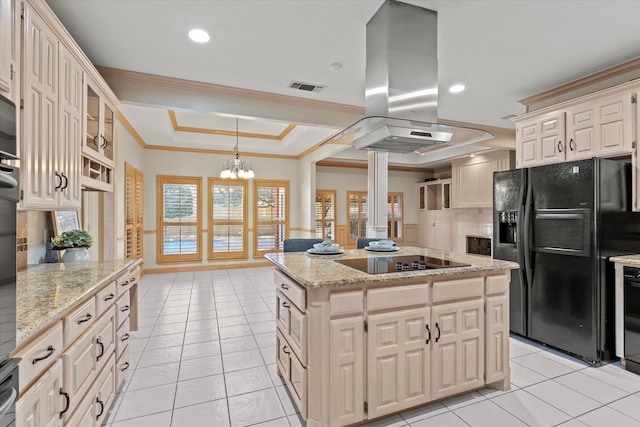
(74, 385)
(457, 361)
(398, 361)
(384, 348)
(346, 370)
(44, 403)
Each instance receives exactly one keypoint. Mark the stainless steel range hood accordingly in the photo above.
(401, 96)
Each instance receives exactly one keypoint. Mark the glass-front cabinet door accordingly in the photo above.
(92, 120)
(99, 127)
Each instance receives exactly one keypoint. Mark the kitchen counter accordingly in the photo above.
(631, 260)
(45, 292)
(317, 271)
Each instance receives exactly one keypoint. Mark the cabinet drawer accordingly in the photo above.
(122, 309)
(122, 284)
(397, 297)
(122, 338)
(105, 298)
(346, 303)
(496, 285)
(79, 368)
(78, 321)
(123, 368)
(291, 290)
(292, 324)
(40, 355)
(452, 290)
(134, 276)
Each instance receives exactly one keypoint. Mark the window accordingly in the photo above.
(325, 211)
(179, 221)
(271, 215)
(394, 216)
(356, 215)
(358, 212)
(133, 212)
(227, 218)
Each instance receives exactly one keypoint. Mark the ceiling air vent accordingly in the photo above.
(308, 87)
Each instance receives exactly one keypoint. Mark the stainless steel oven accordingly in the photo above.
(9, 197)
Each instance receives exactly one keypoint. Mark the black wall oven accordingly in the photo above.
(9, 197)
(632, 318)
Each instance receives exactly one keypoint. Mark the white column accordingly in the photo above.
(377, 194)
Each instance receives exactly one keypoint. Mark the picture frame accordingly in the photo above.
(65, 221)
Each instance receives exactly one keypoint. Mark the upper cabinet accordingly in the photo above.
(9, 49)
(595, 125)
(99, 118)
(67, 125)
(540, 140)
(51, 119)
(472, 178)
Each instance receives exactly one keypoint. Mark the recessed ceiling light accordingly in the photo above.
(456, 88)
(335, 66)
(199, 36)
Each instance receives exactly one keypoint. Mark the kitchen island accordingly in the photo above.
(354, 346)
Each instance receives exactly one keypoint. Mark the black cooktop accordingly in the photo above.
(394, 264)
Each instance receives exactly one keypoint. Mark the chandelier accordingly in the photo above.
(236, 168)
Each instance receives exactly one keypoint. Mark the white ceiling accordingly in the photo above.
(502, 51)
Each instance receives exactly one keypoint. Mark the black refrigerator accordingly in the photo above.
(561, 223)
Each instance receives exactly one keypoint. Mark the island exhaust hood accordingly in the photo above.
(401, 96)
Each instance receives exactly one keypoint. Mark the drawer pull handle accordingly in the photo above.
(101, 403)
(429, 335)
(125, 284)
(125, 308)
(67, 402)
(285, 305)
(438, 328)
(99, 356)
(124, 366)
(285, 351)
(124, 337)
(133, 280)
(283, 286)
(109, 297)
(50, 351)
(85, 319)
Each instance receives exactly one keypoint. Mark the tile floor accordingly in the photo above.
(204, 355)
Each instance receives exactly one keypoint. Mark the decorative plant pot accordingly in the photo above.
(75, 255)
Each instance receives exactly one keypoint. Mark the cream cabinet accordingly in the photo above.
(458, 348)
(98, 143)
(10, 49)
(69, 374)
(44, 404)
(434, 223)
(346, 371)
(51, 119)
(600, 124)
(540, 140)
(600, 128)
(435, 229)
(472, 178)
(386, 347)
(398, 361)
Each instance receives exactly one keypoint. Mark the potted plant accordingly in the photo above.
(75, 244)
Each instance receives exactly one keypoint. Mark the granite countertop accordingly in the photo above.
(47, 291)
(316, 271)
(632, 260)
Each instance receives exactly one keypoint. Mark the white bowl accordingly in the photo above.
(385, 243)
(321, 247)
